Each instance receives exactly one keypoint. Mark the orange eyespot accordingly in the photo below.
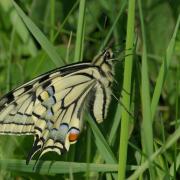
(73, 135)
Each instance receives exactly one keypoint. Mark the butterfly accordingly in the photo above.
(51, 106)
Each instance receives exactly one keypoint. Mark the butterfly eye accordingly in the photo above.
(107, 55)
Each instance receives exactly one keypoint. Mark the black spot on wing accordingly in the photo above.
(46, 84)
(74, 67)
(28, 87)
(86, 74)
(36, 115)
(40, 98)
(6, 99)
(38, 129)
(44, 78)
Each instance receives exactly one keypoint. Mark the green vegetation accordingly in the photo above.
(37, 36)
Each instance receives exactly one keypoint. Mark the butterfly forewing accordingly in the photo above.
(51, 106)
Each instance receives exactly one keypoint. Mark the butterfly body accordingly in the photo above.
(51, 106)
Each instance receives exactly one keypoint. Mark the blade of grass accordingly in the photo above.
(102, 145)
(80, 32)
(115, 125)
(88, 152)
(49, 167)
(177, 113)
(146, 130)
(163, 70)
(125, 96)
(170, 141)
(57, 167)
(175, 165)
(39, 36)
(22, 31)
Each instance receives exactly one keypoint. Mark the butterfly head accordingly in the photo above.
(104, 62)
(107, 55)
(104, 57)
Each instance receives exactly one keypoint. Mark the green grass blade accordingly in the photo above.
(163, 70)
(170, 141)
(80, 32)
(101, 143)
(175, 165)
(49, 167)
(57, 167)
(146, 132)
(39, 36)
(175, 156)
(125, 97)
(115, 125)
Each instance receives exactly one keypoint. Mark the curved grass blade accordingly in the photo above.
(170, 141)
(80, 32)
(163, 70)
(39, 36)
(146, 130)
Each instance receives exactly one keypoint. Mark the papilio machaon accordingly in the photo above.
(51, 106)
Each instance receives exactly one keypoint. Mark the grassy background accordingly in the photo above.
(37, 36)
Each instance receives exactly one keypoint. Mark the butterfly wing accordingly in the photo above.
(49, 107)
(17, 106)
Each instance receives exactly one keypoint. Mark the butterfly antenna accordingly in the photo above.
(118, 50)
(120, 58)
(117, 84)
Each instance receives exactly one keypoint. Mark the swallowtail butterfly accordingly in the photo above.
(51, 106)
